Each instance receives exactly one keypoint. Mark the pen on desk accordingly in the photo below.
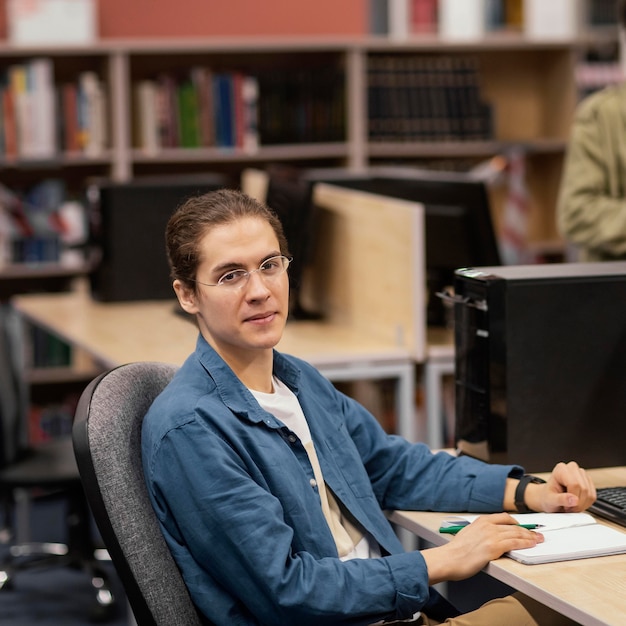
(453, 530)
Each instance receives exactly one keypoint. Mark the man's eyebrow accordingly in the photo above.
(234, 265)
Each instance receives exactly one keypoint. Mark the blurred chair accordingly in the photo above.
(47, 471)
(107, 443)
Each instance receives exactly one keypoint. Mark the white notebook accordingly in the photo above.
(567, 536)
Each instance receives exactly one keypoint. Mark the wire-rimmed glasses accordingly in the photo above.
(236, 279)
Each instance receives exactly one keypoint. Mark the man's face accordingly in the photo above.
(241, 321)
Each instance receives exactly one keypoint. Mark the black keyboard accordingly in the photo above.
(611, 504)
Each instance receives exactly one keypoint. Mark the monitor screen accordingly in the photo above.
(128, 223)
(459, 230)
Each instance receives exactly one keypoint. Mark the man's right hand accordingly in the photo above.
(485, 539)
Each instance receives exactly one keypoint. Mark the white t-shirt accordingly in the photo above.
(351, 540)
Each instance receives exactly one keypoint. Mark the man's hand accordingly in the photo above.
(568, 489)
(486, 538)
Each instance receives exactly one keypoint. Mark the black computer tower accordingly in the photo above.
(541, 364)
(127, 225)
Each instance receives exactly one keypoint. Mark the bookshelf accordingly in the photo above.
(530, 87)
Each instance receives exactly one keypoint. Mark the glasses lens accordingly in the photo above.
(274, 266)
(233, 278)
(270, 268)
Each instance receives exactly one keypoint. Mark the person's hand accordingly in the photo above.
(486, 538)
(569, 489)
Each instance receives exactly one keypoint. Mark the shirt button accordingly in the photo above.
(292, 438)
(313, 482)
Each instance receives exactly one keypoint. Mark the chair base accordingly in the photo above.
(29, 556)
(79, 553)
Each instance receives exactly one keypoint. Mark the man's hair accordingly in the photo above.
(197, 215)
(621, 13)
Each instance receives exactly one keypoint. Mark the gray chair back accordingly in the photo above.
(107, 444)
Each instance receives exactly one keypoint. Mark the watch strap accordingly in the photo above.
(520, 490)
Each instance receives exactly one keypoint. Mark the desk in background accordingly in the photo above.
(116, 333)
(439, 363)
(589, 591)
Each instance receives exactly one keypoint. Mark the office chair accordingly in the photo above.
(46, 471)
(107, 444)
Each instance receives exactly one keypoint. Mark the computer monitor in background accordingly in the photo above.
(459, 229)
(128, 233)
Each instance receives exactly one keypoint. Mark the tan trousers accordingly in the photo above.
(514, 610)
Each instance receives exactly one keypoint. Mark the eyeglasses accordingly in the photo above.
(235, 279)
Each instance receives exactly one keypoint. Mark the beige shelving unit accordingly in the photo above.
(531, 86)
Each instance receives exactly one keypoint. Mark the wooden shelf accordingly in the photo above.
(61, 375)
(18, 278)
(461, 149)
(529, 84)
(292, 152)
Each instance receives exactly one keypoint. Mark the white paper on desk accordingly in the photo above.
(569, 536)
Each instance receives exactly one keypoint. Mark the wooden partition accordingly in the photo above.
(368, 270)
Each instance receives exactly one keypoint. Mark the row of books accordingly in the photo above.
(602, 12)
(302, 106)
(38, 224)
(49, 422)
(201, 109)
(233, 109)
(39, 118)
(485, 16)
(420, 98)
(476, 18)
(46, 349)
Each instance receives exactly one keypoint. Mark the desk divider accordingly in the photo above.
(369, 265)
(368, 269)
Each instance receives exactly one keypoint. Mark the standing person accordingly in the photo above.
(270, 485)
(591, 209)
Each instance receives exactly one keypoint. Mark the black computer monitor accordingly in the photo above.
(459, 228)
(128, 223)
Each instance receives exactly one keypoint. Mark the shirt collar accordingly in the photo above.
(233, 392)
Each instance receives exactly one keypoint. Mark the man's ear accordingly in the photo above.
(186, 297)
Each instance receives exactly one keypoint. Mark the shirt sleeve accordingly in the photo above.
(412, 477)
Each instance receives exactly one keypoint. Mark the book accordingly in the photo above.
(71, 130)
(462, 19)
(202, 79)
(188, 111)
(568, 536)
(42, 109)
(250, 98)
(147, 117)
(424, 19)
(224, 110)
(557, 19)
(92, 114)
(398, 20)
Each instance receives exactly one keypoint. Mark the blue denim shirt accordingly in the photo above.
(235, 495)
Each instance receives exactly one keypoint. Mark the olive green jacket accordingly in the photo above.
(591, 210)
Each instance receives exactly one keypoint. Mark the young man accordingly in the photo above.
(270, 485)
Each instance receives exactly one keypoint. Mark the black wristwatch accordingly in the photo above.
(520, 490)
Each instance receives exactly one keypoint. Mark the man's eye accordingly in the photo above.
(232, 277)
(270, 265)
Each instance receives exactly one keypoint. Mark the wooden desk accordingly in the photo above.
(116, 333)
(589, 591)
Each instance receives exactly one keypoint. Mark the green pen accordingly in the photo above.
(453, 530)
